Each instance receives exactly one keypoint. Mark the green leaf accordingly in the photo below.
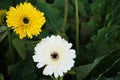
(3, 35)
(4, 4)
(104, 41)
(81, 8)
(104, 78)
(20, 47)
(95, 69)
(72, 71)
(97, 7)
(30, 45)
(24, 70)
(115, 12)
(83, 71)
(107, 61)
(51, 13)
(114, 69)
(3, 28)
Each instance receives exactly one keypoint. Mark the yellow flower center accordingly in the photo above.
(54, 56)
(25, 21)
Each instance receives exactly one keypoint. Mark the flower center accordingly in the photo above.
(54, 56)
(25, 20)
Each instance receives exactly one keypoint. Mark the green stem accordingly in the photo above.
(10, 46)
(65, 15)
(77, 25)
(61, 78)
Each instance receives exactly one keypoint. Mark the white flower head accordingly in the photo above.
(55, 54)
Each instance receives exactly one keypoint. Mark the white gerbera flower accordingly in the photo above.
(55, 54)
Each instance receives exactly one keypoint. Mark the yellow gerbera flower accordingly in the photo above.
(25, 19)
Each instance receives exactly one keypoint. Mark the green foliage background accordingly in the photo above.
(98, 57)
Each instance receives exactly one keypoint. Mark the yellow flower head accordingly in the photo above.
(25, 19)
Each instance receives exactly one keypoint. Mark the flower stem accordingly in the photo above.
(11, 56)
(77, 25)
(61, 78)
(65, 15)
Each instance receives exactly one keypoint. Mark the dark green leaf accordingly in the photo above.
(51, 18)
(107, 61)
(114, 69)
(3, 28)
(72, 71)
(5, 4)
(25, 70)
(83, 71)
(3, 35)
(104, 41)
(3, 32)
(20, 47)
(97, 7)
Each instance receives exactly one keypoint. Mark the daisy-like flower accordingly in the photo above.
(25, 19)
(55, 54)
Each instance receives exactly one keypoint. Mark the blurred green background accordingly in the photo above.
(98, 57)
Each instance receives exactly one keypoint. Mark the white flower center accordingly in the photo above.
(54, 56)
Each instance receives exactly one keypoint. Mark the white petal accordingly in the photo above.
(69, 45)
(56, 73)
(72, 53)
(63, 68)
(36, 58)
(70, 64)
(60, 72)
(48, 70)
(39, 65)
